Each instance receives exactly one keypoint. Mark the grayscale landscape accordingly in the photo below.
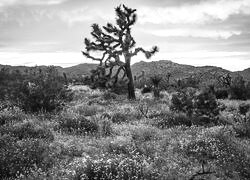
(125, 90)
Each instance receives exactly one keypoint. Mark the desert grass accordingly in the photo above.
(126, 144)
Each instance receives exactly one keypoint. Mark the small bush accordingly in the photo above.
(43, 90)
(220, 150)
(242, 126)
(11, 116)
(238, 89)
(201, 105)
(109, 96)
(77, 125)
(20, 157)
(244, 108)
(87, 110)
(221, 93)
(120, 145)
(119, 117)
(205, 104)
(28, 130)
(172, 119)
(144, 133)
(105, 128)
(117, 167)
(146, 89)
(182, 102)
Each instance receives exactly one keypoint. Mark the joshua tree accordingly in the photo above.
(156, 79)
(115, 42)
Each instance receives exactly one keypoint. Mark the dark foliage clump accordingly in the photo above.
(244, 108)
(182, 101)
(156, 79)
(221, 93)
(146, 89)
(36, 90)
(119, 118)
(238, 89)
(201, 107)
(109, 96)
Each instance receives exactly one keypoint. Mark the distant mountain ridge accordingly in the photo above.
(161, 67)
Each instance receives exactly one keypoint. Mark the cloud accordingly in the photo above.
(35, 58)
(76, 15)
(30, 2)
(203, 12)
(191, 32)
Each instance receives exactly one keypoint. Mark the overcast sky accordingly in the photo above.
(195, 32)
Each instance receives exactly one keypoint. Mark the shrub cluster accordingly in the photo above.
(27, 130)
(20, 157)
(220, 150)
(201, 106)
(170, 119)
(117, 167)
(37, 90)
(76, 125)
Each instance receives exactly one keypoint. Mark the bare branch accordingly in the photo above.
(148, 54)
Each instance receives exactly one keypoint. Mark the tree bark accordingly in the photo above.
(131, 87)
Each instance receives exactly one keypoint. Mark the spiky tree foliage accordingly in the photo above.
(114, 42)
(156, 79)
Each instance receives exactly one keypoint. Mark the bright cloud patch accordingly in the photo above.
(200, 33)
(195, 14)
(29, 2)
(31, 59)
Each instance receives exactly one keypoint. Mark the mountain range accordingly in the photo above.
(162, 67)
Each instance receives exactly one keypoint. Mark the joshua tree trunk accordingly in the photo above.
(131, 87)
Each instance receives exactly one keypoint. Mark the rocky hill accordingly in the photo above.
(162, 68)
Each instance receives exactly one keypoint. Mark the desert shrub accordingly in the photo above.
(120, 87)
(117, 167)
(155, 80)
(219, 150)
(20, 157)
(109, 96)
(241, 126)
(170, 119)
(87, 110)
(120, 145)
(144, 133)
(105, 127)
(244, 108)
(76, 125)
(205, 104)
(221, 93)
(146, 89)
(182, 101)
(11, 116)
(237, 89)
(143, 109)
(200, 106)
(26, 130)
(242, 129)
(119, 117)
(42, 91)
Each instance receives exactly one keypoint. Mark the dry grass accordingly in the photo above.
(166, 153)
